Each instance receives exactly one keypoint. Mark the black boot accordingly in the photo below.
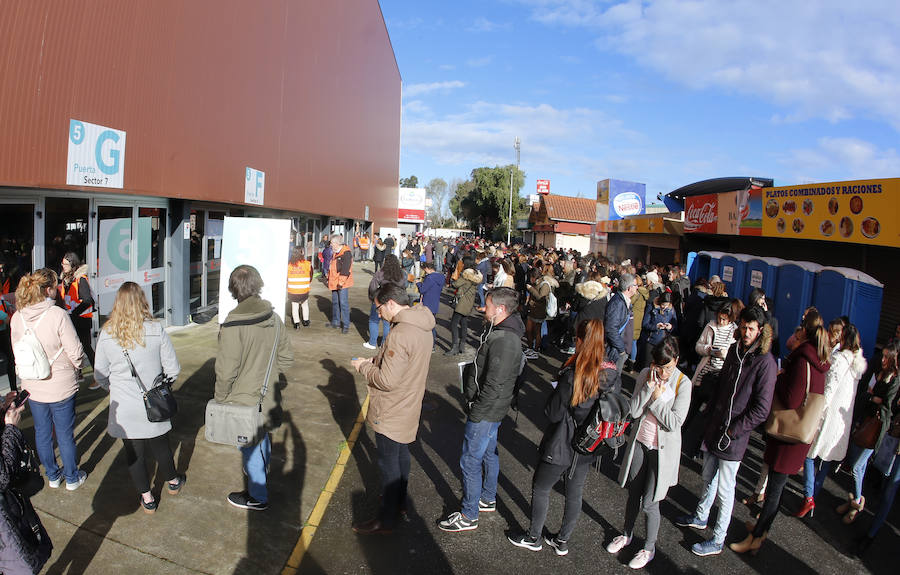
(296, 325)
(454, 349)
(306, 323)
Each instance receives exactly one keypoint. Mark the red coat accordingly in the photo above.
(790, 389)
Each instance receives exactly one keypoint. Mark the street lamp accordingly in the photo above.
(511, 175)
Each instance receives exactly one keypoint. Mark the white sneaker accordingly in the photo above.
(368, 345)
(82, 477)
(54, 483)
(642, 558)
(618, 543)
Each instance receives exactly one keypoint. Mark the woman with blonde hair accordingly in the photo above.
(52, 400)
(131, 351)
(583, 377)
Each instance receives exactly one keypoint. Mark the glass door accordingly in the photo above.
(131, 246)
(114, 235)
(215, 225)
(18, 223)
(150, 264)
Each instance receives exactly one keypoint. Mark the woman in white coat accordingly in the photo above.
(659, 406)
(830, 445)
(131, 328)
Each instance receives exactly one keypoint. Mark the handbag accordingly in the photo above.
(240, 425)
(159, 402)
(866, 434)
(24, 520)
(796, 425)
(411, 278)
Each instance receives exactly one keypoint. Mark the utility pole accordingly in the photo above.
(511, 177)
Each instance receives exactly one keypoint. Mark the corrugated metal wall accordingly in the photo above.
(308, 92)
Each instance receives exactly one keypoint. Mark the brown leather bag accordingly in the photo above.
(866, 435)
(796, 425)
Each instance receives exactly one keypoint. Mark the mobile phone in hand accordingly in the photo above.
(21, 397)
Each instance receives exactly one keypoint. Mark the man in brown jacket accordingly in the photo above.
(396, 382)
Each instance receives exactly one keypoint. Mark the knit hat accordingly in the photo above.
(652, 278)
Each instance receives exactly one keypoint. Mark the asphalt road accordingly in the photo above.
(818, 545)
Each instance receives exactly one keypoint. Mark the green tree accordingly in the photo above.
(437, 192)
(483, 200)
(410, 182)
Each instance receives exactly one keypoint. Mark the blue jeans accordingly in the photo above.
(719, 478)
(815, 479)
(340, 308)
(892, 482)
(479, 449)
(859, 458)
(58, 417)
(393, 461)
(256, 462)
(633, 350)
(481, 295)
(438, 265)
(373, 326)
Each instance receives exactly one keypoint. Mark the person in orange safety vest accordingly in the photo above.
(340, 277)
(298, 282)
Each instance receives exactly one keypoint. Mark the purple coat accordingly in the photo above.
(746, 385)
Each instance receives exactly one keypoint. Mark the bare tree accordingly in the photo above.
(438, 192)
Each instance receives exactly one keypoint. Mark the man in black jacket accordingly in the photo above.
(488, 390)
(742, 402)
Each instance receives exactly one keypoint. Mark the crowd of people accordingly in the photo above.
(708, 373)
(707, 370)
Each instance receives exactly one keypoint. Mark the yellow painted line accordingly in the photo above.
(309, 530)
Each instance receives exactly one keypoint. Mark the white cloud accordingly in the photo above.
(413, 90)
(482, 24)
(479, 62)
(835, 159)
(828, 59)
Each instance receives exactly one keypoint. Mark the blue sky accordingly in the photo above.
(662, 92)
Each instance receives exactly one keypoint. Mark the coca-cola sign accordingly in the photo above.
(701, 214)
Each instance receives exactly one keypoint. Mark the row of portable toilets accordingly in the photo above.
(794, 286)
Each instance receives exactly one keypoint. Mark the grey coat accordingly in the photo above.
(127, 416)
(670, 415)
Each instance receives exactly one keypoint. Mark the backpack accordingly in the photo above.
(603, 430)
(31, 359)
(552, 304)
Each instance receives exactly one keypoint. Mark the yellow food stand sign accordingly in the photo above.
(862, 212)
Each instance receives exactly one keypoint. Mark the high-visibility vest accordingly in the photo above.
(72, 299)
(299, 277)
(364, 242)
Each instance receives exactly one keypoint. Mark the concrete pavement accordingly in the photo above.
(101, 529)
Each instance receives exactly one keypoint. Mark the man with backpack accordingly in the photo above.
(489, 389)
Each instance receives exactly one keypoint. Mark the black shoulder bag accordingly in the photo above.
(158, 400)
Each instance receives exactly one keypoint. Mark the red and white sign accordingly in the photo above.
(411, 205)
(701, 214)
(543, 187)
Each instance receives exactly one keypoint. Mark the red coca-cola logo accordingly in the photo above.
(700, 215)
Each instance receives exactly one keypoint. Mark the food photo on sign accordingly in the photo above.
(859, 211)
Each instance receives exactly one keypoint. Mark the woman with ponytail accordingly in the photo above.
(804, 372)
(583, 377)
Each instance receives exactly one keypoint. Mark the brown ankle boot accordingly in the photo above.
(845, 507)
(750, 543)
(855, 508)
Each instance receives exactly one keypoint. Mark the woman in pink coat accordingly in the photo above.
(52, 400)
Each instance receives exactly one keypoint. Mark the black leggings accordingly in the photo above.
(83, 327)
(545, 477)
(459, 323)
(774, 489)
(135, 457)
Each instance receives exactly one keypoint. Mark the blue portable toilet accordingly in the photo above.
(707, 264)
(690, 266)
(844, 291)
(762, 272)
(796, 281)
(732, 269)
